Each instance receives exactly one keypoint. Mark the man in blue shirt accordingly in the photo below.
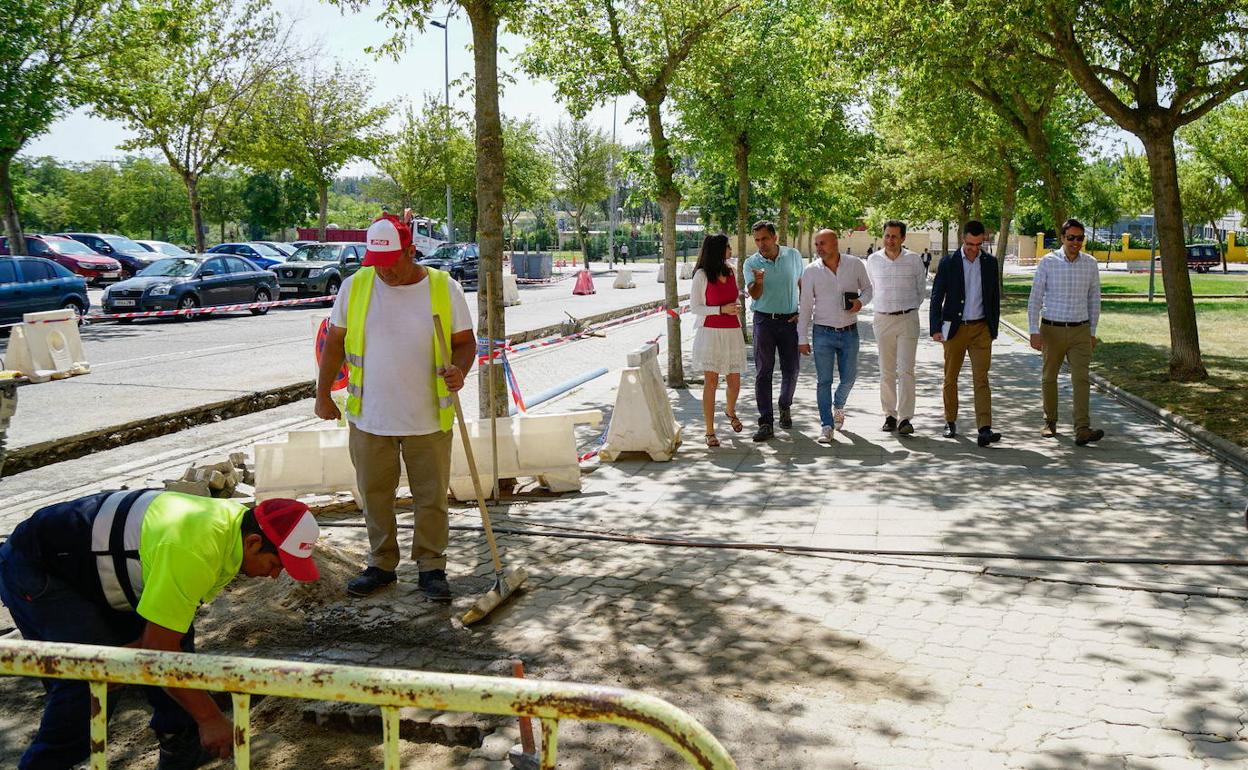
(772, 274)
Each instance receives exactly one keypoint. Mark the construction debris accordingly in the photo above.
(217, 477)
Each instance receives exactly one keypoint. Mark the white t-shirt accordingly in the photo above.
(399, 398)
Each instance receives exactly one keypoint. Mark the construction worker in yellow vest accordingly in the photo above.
(398, 397)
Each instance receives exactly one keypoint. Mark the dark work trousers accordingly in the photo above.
(48, 609)
(774, 336)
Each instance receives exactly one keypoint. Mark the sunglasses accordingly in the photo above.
(1074, 237)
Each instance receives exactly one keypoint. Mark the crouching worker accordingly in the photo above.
(130, 569)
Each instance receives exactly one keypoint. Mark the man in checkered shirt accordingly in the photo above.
(1062, 312)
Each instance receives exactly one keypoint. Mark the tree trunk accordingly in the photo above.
(322, 194)
(782, 223)
(223, 229)
(197, 211)
(1009, 200)
(8, 207)
(1221, 247)
(1185, 360)
(741, 154)
(964, 210)
(487, 221)
(944, 237)
(669, 203)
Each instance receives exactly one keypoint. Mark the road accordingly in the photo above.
(155, 367)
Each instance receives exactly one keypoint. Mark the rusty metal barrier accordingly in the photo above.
(391, 689)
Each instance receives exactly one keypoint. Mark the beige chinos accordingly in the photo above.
(428, 462)
(1073, 345)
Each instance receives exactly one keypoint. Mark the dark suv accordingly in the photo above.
(318, 269)
(1203, 257)
(34, 284)
(461, 260)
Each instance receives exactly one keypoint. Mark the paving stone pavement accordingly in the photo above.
(858, 661)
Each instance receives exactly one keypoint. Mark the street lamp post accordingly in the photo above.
(614, 189)
(446, 82)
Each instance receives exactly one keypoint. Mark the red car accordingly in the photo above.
(76, 257)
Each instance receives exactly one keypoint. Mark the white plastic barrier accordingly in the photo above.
(686, 271)
(308, 462)
(511, 291)
(539, 445)
(642, 420)
(47, 346)
(317, 462)
(624, 279)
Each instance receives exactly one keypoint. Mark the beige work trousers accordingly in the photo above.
(1073, 345)
(428, 462)
(972, 338)
(897, 338)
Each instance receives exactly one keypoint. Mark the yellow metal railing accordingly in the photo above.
(391, 689)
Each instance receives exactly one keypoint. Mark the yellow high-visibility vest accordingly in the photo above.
(357, 314)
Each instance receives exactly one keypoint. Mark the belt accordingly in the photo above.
(901, 312)
(776, 316)
(975, 321)
(1047, 322)
(851, 327)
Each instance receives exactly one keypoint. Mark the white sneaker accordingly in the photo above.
(825, 437)
(838, 419)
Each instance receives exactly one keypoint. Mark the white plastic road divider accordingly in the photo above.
(318, 462)
(642, 420)
(511, 291)
(686, 271)
(47, 346)
(624, 279)
(208, 310)
(542, 446)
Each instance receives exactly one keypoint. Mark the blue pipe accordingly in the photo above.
(559, 390)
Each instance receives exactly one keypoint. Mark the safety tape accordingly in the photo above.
(207, 310)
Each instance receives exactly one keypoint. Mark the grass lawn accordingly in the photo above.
(1134, 349)
(1137, 283)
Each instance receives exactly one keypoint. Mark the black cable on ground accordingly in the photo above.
(782, 548)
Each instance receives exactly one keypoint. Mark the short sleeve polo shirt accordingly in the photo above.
(779, 282)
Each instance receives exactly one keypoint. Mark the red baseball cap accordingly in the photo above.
(290, 525)
(387, 239)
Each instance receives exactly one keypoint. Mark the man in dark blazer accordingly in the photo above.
(965, 315)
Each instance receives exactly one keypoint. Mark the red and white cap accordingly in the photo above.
(387, 238)
(292, 526)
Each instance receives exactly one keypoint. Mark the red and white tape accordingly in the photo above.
(206, 310)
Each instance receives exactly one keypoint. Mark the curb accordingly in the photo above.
(72, 447)
(1229, 453)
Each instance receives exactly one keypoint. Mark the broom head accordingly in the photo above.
(503, 588)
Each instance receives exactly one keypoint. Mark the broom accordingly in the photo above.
(505, 583)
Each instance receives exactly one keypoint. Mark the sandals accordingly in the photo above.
(737, 427)
(712, 440)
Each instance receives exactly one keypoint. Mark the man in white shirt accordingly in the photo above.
(402, 409)
(1062, 312)
(900, 282)
(833, 290)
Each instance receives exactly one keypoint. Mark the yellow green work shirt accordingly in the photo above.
(190, 547)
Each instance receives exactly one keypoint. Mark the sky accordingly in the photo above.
(80, 137)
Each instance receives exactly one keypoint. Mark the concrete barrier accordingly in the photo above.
(308, 462)
(47, 346)
(624, 279)
(642, 420)
(686, 271)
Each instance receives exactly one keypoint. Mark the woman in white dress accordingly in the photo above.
(718, 346)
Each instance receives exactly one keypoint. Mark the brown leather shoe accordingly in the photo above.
(1050, 429)
(1085, 436)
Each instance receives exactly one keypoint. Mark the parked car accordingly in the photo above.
(131, 255)
(72, 255)
(262, 254)
(461, 260)
(35, 284)
(297, 244)
(164, 249)
(197, 281)
(285, 248)
(1203, 257)
(319, 269)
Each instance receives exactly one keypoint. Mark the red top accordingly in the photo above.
(721, 293)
